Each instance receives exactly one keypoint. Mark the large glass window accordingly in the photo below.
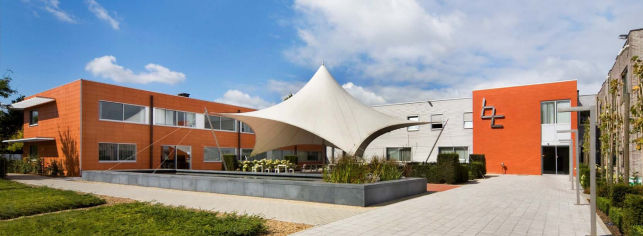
(246, 128)
(174, 118)
(116, 152)
(227, 124)
(212, 122)
(245, 155)
(549, 112)
(468, 120)
(415, 127)
(398, 153)
(463, 152)
(33, 117)
(436, 121)
(211, 154)
(122, 112)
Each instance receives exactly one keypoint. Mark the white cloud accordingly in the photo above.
(236, 97)
(106, 67)
(52, 7)
(100, 12)
(460, 45)
(364, 95)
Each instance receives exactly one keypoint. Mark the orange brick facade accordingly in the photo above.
(518, 143)
(73, 120)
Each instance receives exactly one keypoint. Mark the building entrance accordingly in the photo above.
(176, 157)
(555, 159)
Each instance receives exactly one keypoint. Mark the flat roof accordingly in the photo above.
(31, 102)
(28, 140)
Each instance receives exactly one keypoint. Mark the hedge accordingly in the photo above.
(231, 162)
(584, 176)
(616, 216)
(463, 173)
(292, 159)
(633, 213)
(618, 192)
(449, 168)
(603, 204)
(479, 158)
(476, 169)
(4, 166)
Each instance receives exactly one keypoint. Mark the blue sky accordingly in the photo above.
(254, 52)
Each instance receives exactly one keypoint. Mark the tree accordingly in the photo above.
(636, 109)
(10, 120)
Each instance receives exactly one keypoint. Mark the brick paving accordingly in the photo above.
(440, 187)
(501, 205)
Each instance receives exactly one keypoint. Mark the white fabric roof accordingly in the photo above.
(31, 102)
(321, 110)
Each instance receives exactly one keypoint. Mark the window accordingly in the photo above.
(313, 156)
(116, 152)
(549, 112)
(211, 154)
(33, 150)
(33, 117)
(463, 152)
(214, 120)
(174, 118)
(245, 154)
(398, 154)
(415, 127)
(227, 124)
(246, 128)
(122, 112)
(468, 120)
(436, 121)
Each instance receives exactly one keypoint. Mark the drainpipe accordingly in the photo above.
(151, 131)
(239, 136)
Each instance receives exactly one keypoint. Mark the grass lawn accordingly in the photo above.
(134, 219)
(18, 199)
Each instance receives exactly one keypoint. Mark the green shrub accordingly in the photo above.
(230, 162)
(480, 159)
(449, 168)
(603, 204)
(348, 170)
(4, 166)
(384, 170)
(584, 176)
(292, 159)
(463, 173)
(636, 230)
(604, 191)
(476, 170)
(616, 216)
(633, 212)
(618, 192)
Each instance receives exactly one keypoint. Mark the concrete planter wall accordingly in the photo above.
(303, 190)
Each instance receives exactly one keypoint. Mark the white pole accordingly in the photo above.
(592, 168)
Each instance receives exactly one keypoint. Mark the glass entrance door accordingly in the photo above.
(176, 157)
(555, 159)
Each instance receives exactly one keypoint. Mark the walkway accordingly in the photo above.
(283, 210)
(502, 205)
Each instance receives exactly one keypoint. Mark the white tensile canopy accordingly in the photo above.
(322, 112)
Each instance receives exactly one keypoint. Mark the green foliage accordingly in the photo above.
(449, 168)
(15, 147)
(584, 176)
(292, 159)
(604, 191)
(476, 170)
(479, 158)
(636, 109)
(4, 166)
(25, 165)
(54, 169)
(636, 230)
(603, 204)
(618, 193)
(633, 212)
(231, 162)
(384, 170)
(616, 216)
(136, 219)
(22, 200)
(423, 170)
(349, 170)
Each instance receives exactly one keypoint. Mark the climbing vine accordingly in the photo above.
(636, 110)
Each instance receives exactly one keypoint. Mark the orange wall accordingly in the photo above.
(95, 130)
(60, 116)
(518, 144)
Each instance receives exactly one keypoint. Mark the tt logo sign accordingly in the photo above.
(493, 115)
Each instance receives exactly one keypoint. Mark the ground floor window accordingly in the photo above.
(33, 151)
(116, 152)
(398, 153)
(463, 152)
(211, 154)
(245, 155)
